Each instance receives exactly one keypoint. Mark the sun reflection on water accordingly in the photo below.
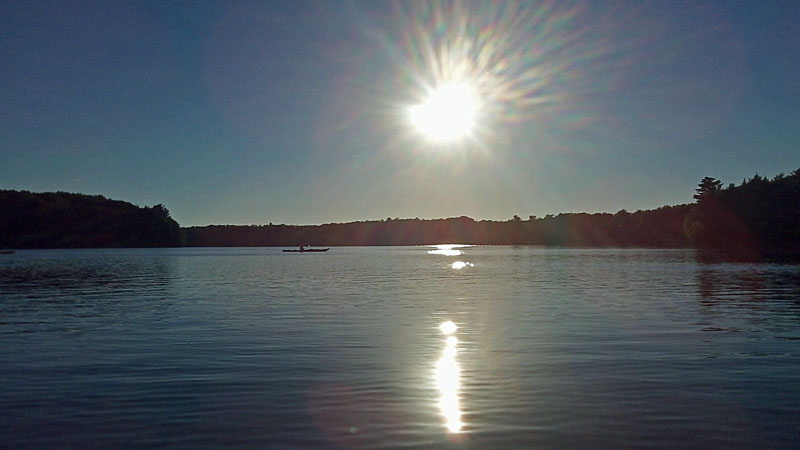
(458, 265)
(448, 327)
(447, 250)
(447, 379)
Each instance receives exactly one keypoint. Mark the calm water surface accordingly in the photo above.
(400, 347)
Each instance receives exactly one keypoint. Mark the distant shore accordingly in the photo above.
(758, 218)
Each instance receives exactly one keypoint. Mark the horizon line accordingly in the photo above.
(522, 219)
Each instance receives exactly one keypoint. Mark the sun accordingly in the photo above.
(448, 113)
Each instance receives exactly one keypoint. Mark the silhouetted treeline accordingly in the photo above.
(662, 227)
(760, 217)
(64, 220)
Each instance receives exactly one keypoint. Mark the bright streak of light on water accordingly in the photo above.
(448, 379)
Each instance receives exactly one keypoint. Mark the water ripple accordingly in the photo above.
(243, 348)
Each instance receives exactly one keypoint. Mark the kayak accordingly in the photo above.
(307, 250)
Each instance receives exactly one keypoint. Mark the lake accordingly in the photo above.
(397, 347)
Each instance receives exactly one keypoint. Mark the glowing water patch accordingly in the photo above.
(448, 327)
(448, 379)
(448, 250)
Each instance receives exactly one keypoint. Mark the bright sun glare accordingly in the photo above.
(447, 114)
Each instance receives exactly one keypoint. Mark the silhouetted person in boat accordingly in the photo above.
(302, 248)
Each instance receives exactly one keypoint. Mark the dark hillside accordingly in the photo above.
(64, 220)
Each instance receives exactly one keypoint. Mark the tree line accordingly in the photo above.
(759, 217)
(655, 228)
(65, 220)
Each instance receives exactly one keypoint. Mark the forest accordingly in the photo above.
(65, 220)
(758, 218)
(662, 227)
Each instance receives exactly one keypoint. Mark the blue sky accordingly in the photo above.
(296, 112)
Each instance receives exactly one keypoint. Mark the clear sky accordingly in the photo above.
(298, 112)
